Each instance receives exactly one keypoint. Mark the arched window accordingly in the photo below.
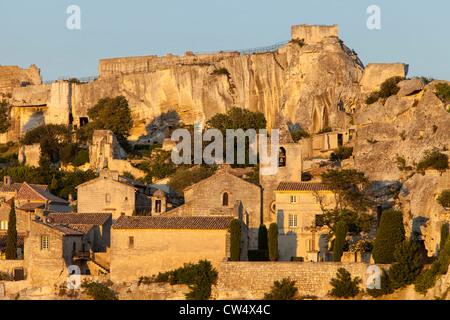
(4, 225)
(225, 199)
(281, 157)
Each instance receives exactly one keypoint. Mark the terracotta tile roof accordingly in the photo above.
(302, 186)
(97, 218)
(33, 193)
(15, 187)
(140, 222)
(85, 228)
(66, 230)
(31, 206)
(4, 237)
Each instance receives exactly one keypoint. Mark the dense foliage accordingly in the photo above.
(273, 241)
(444, 198)
(408, 264)
(11, 240)
(235, 239)
(390, 233)
(4, 118)
(432, 158)
(98, 291)
(387, 88)
(339, 240)
(282, 290)
(343, 285)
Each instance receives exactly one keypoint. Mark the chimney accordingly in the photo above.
(70, 198)
(7, 180)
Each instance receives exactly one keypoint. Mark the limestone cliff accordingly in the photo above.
(405, 126)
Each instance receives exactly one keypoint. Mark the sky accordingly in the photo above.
(36, 32)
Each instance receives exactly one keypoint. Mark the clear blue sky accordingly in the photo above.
(35, 32)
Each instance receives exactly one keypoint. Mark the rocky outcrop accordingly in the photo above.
(404, 127)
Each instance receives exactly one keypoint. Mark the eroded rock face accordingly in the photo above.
(405, 126)
(316, 83)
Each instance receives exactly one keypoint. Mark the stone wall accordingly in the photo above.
(29, 155)
(376, 73)
(312, 34)
(250, 280)
(159, 250)
(13, 76)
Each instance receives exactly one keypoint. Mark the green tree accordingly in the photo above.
(444, 235)
(235, 239)
(262, 238)
(284, 290)
(11, 241)
(205, 277)
(408, 264)
(344, 286)
(390, 233)
(444, 198)
(185, 177)
(386, 286)
(273, 241)
(4, 119)
(339, 241)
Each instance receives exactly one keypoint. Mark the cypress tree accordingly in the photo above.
(444, 236)
(339, 241)
(390, 233)
(235, 239)
(262, 238)
(408, 265)
(273, 241)
(11, 241)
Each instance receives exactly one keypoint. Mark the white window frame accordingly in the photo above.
(293, 198)
(45, 243)
(293, 220)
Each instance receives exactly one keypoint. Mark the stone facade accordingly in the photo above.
(300, 233)
(315, 33)
(251, 280)
(114, 194)
(145, 246)
(376, 73)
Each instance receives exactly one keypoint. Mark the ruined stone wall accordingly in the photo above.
(315, 33)
(128, 65)
(250, 280)
(13, 76)
(376, 73)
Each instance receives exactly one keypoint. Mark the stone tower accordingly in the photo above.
(289, 169)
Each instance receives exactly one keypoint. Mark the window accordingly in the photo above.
(293, 199)
(4, 225)
(293, 221)
(281, 157)
(107, 198)
(225, 199)
(131, 241)
(44, 243)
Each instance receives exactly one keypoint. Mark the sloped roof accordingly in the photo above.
(97, 218)
(33, 193)
(85, 228)
(302, 186)
(15, 187)
(65, 230)
(4, 237)
(145, 222)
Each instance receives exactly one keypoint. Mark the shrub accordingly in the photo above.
(408, 264)
(341, 153)
(299, 135)
(387, 88)
(432, 158)
(300, 42)
(235, 239)
(221, 71)
(442, 90)
(284, 290)
(444, 198)
(258, 255)
(385, 286)
(273, 241)
(390, 233)
(81, 158)
(325, 130)
(98, 291)
(344, 286)
(444, 235)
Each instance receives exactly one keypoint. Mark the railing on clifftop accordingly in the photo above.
(73, 79)
(248, 51)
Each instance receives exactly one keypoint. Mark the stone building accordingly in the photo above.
(31, 197)
(300, 228)
(145, 246)
(96, 226)
(220, 195)
(289, 169)
(113, 193)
